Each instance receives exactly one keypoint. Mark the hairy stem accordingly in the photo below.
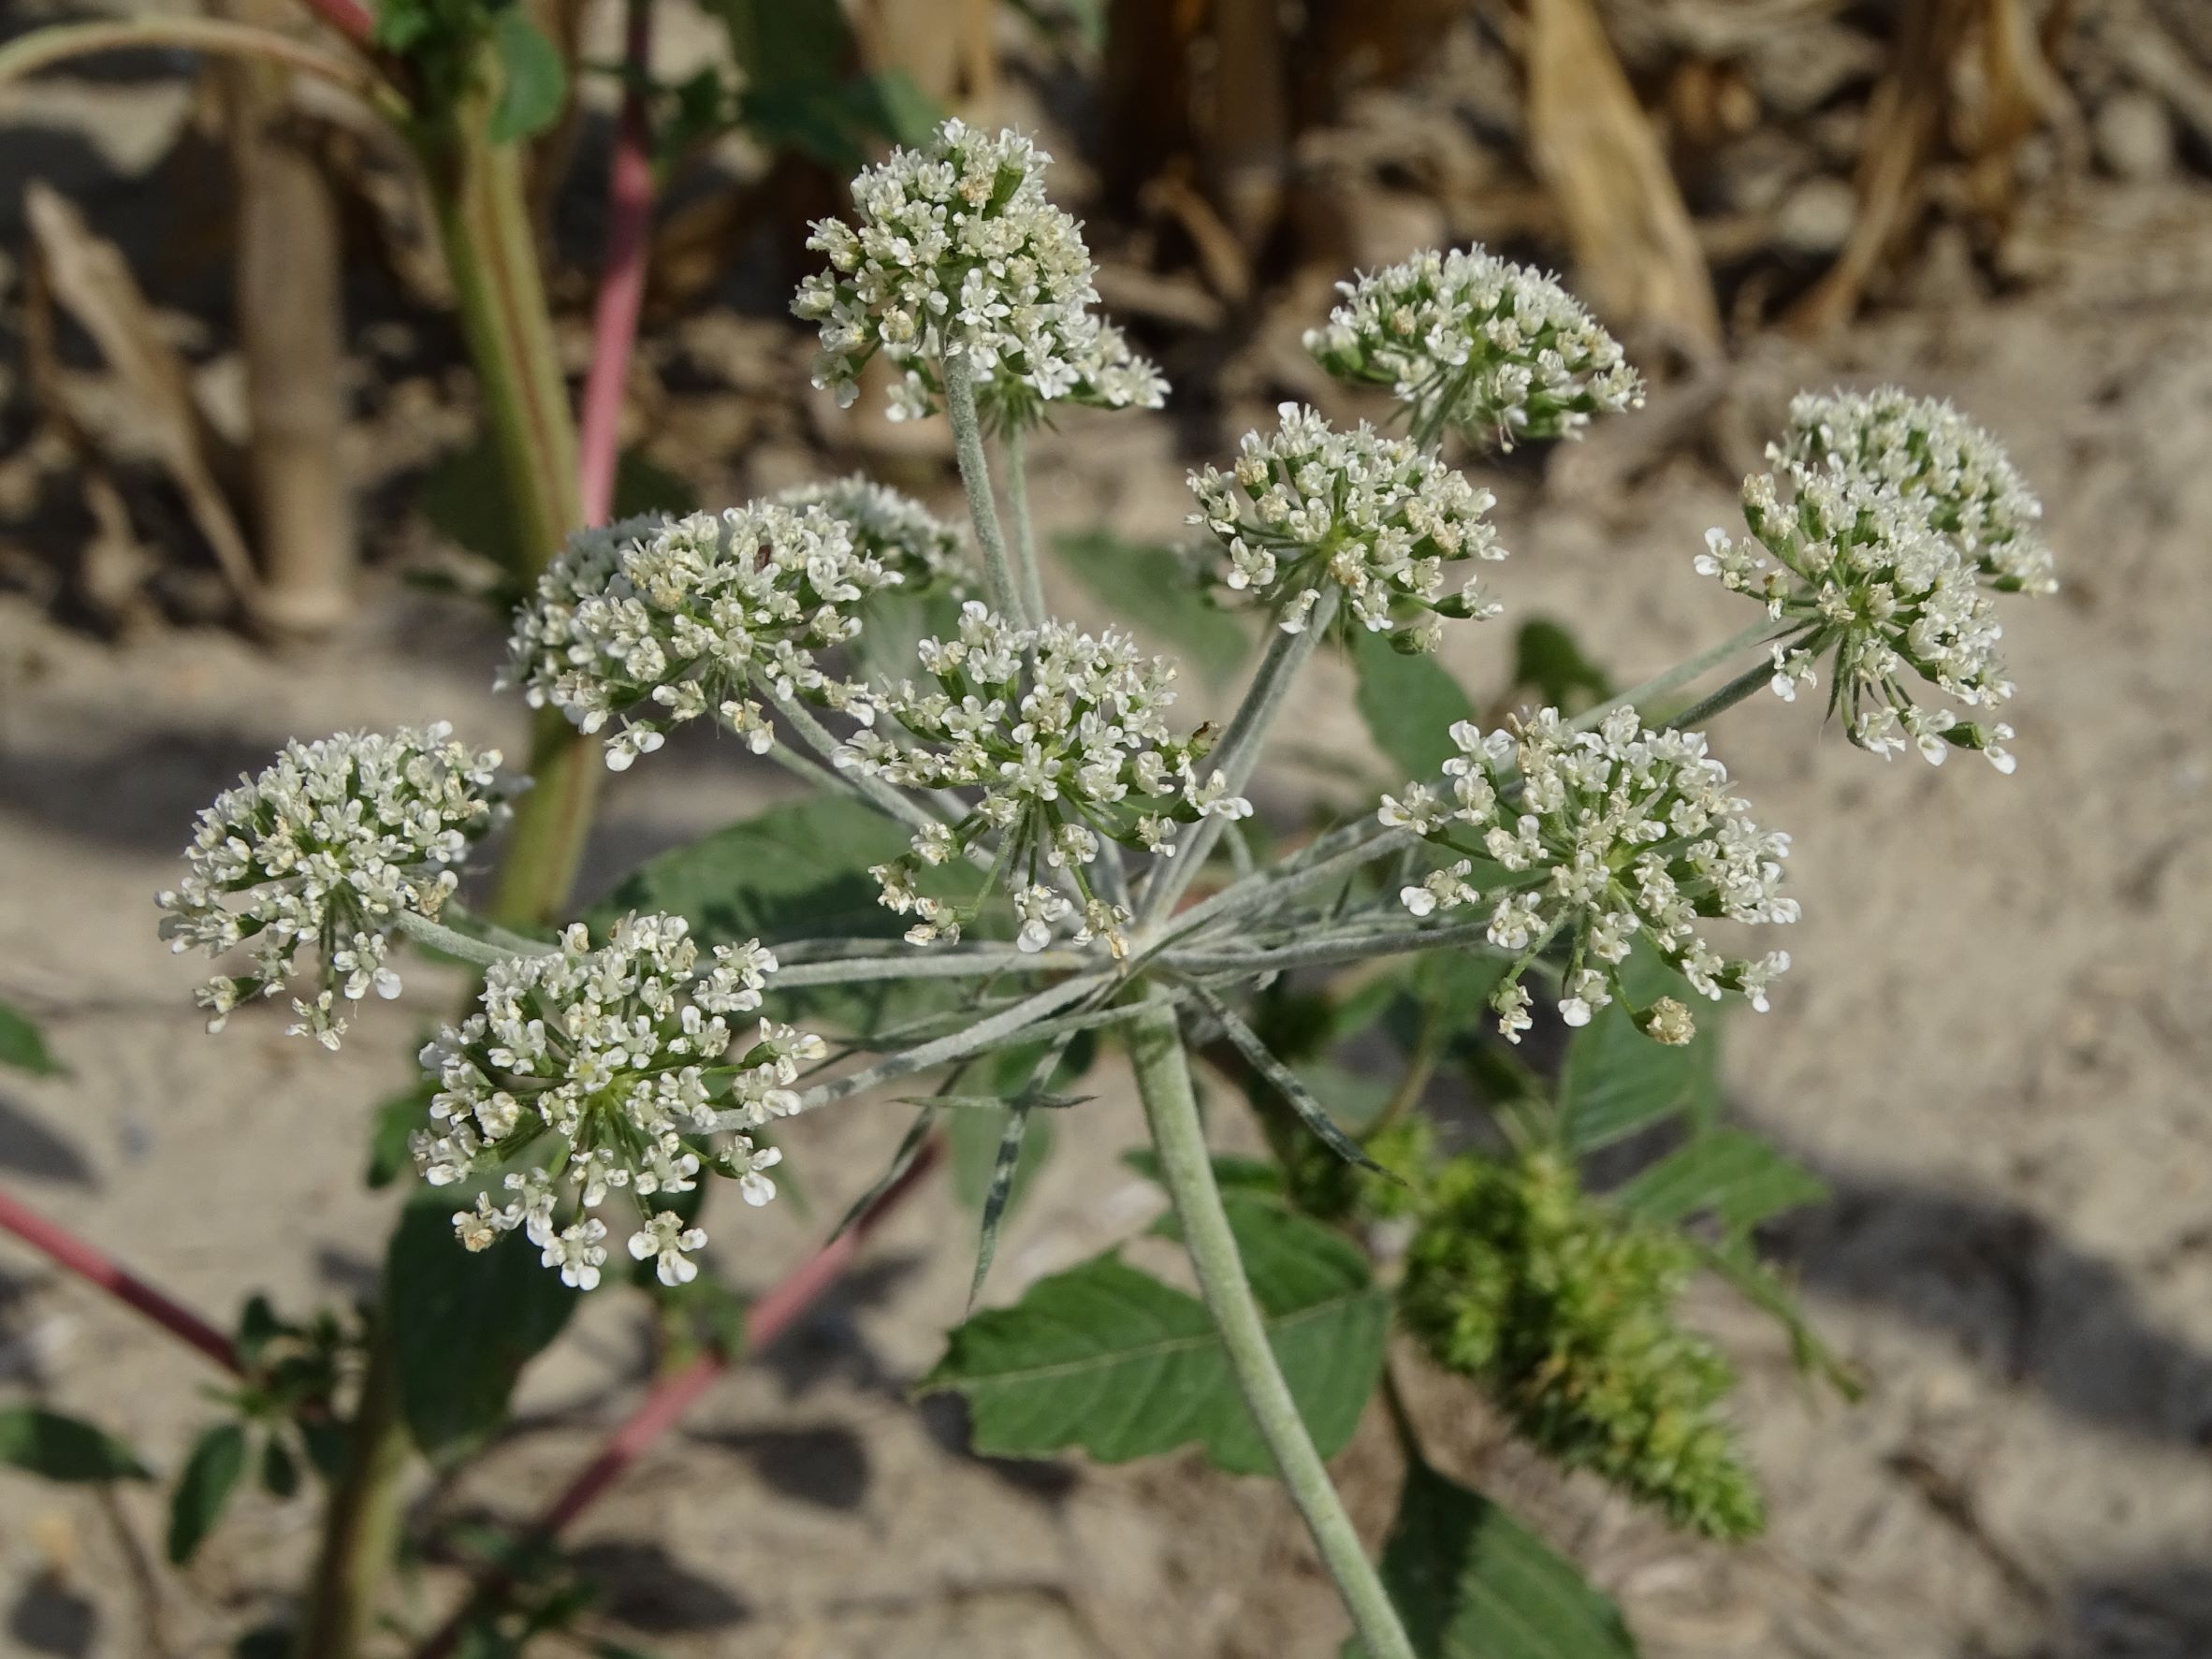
(1017, 508)
(1238, 752)
(975, 474)
(1170, 1106)
(870, 788)
(1681, 674)
(362, 1528)
(1728, 696)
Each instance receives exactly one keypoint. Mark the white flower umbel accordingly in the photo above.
(956, 250)
(1469, 340)
(1928, 451)
(591, 1071)
(895, 531)
(1380, 517)
(659, 622)
(324, 850)
(1857, 572)
(1053, 739)
(1600, 839)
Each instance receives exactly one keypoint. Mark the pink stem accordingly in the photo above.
(622, 284)
(60, 1246)
(771, 1314)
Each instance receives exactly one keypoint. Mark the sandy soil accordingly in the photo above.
(1994, 1048)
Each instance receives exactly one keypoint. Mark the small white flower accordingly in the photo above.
(670, 1242)
(623, 1055)
(1469, 340)
(322, 851)
(1379, 517)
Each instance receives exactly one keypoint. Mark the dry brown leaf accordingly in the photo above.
(1635, 249)
(87, 276)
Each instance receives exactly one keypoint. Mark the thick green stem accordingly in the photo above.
(1017, 508)
(361, 1530)
(1163, 1079)
(1237, 755)
(975, 474)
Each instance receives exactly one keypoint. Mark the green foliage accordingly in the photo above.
(203, 1490)
(1734, 1177)
(1156, 592)
(22, 1046)
(1617, 1080)
(1563, 1310)
(392, 1119)
(1409, 704)
(463, 498)
(463, 1324)
(56, 1446)
(533, 81)
(802, 88)
(1471, 1582)
(1111, 1359)
(1548, 662)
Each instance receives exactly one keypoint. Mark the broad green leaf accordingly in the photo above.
(392, 1120)
(1546, 660)
(280, 1469)
(463, 495)
(1409, 705)
(210, 1476)
(1153, 590)
(778, 41)
(24, 1047)
(533, 81)
(1736, 1261)
(464, 1323)
(1471, 1582)
(1111, 1359)
(1617, 1080)
(1734, 1176)
(1255, 1175)
(61, 1447)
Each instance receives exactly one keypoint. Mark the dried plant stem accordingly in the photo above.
(63, 42)
(975, 474)
(1163, 1079)
(1017, 508)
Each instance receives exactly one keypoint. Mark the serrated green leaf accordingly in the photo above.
(1731, 1175)
(1409, 705)
(1112, 1361)
(1548, 662)
(1152, 588)
(533, 80)
(60, 1448)
(22, 1046)
(1471, 1582)
(464, 1323)
(203, 1490)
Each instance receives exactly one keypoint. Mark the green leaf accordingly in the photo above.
(464, 1323)
(280, 1469)
(463, 497)
(210, 1476)
(64, 1448)
(1152, 588)
(1471, 1582)
(1114, 1361)
(533, 81)
(393, 1119)
(1286, 1084)
(785, 40)
(1409, 705)
(1546, 660)
(1617, 1080)
(1734, 1176)
(22, 1046)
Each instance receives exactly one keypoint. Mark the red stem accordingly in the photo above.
(771, 1316)
(350, 17)
(61, 1246)
(621, 283)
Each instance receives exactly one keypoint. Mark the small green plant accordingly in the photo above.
(1020, 849)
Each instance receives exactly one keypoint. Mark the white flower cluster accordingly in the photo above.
(1856, 568)
(1381, 517)
(895, 531)
(323, 850)
(1060, 736)
(958, 252)
(609, 1069)
(660, 621)
(1957, 474)
(1469, 340)
(1603, 836)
